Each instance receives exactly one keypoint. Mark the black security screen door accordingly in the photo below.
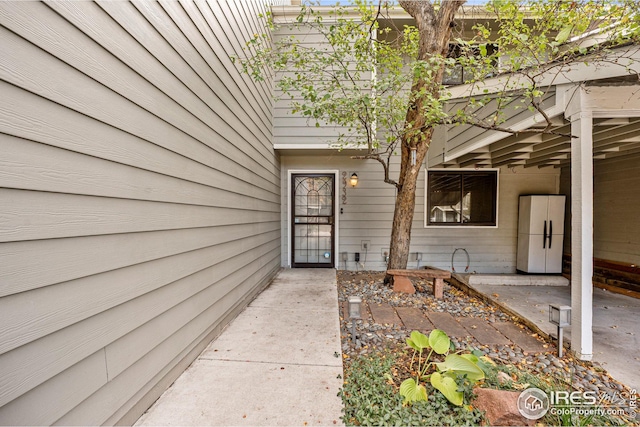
(312, 220)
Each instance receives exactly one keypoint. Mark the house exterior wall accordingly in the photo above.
(368, 213)
(616, 225)
(294, 131)
(139, 199)
(491, 249)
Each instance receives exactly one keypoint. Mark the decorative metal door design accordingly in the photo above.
(312, 220)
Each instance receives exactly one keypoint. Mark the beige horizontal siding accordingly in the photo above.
(139, 199)
(60, 348)
(172, 127)
(368, 215)
(292, 130)
(39, 215)
(28, 116)
(61, 260)
(29, 165)
(616, 223)
(20, 327)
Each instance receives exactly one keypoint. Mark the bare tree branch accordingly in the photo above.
(385, 166)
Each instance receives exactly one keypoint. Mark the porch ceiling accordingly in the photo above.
(610, 92)
(612, 137)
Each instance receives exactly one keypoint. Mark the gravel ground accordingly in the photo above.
(373, 337)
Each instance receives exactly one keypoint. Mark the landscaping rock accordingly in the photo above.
(504, 378)
(500, 407)
(379, 334)
(403, 285)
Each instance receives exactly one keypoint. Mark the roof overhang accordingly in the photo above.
(609, 90)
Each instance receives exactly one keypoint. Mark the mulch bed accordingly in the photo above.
(372, 337)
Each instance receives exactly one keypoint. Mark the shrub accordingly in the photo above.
(451, 376)
(370, 398)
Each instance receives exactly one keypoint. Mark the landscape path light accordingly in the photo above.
(355, 313)
(560, 315)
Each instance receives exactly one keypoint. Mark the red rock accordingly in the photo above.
(500, 407)
(403, 284)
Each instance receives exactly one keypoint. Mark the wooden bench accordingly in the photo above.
(401, 282)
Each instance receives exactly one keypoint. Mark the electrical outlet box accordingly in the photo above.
(357, 258)
(366, 245)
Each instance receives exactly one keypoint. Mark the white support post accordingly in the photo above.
(582, 235)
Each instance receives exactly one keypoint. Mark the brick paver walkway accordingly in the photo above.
(486, 333)
(483, 331)
(414, 319)
(447, 323)
(519, 337)
(384, 314)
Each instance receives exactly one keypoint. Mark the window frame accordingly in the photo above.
(460, 171)
(454, 52)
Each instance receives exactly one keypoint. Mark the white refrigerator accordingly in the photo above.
(540, 233)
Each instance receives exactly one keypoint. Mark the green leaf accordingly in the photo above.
(412, 392)
(413, 345)
(447, 386)
(563, 35)
(461, 366)
(439, 341)
(418, 341)
(471, 357)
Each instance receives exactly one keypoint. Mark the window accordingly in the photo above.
(458, 75)
(459, 198)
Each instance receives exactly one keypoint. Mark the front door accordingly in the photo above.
(312, 220)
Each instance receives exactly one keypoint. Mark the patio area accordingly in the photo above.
(615, 327)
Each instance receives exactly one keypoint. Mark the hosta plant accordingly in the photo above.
(447, 375)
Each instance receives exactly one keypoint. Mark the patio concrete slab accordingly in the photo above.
(310, 288)
(517, 279)
(234, 393)
(616, 329)
(277, 364)
(263, 334)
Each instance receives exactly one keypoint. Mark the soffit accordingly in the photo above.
(610, 92)
(612, 137)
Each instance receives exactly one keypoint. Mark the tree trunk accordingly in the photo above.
(405, 206)
(435, 32)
